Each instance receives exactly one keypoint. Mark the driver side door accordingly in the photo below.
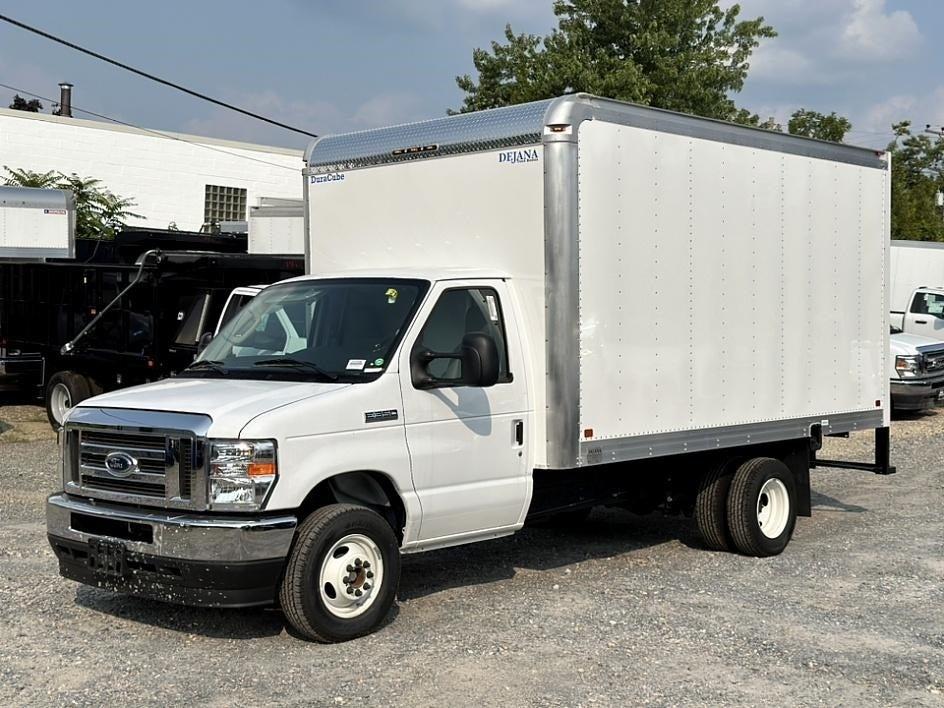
(467, 443)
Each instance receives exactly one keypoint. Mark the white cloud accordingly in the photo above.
(920, 110)
(870, 33)
(775, 62)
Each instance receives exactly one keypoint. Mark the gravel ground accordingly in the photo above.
(625, 609)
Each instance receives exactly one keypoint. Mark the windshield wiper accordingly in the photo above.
(290, 363)
(208, 365)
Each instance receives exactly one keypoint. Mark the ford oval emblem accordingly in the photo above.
(120, 464)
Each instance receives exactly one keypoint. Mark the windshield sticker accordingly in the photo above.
(378, 362)
(392, 295)
(356, 364)
(492, 307)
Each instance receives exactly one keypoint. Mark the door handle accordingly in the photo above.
(921, 321)
(518, 430)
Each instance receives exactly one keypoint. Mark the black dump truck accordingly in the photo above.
(120, 313)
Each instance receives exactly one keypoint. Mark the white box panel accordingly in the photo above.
(724, 285)
(36, 223)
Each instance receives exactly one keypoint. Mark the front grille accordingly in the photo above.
(163, 469)
(124, 485)
(185, 468)
(94, 458)
(934, 361)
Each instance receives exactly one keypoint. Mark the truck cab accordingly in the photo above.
(924, 315)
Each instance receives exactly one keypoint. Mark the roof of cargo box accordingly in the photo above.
(465, 132)
(524, 124)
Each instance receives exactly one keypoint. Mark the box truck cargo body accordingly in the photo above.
(510, 315)
(674, 267)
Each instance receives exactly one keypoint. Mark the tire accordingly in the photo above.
(762, 493)
(64, 390)
(711, 507)
(366, 542)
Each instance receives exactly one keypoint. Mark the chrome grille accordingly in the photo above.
(934, 361)
(167, 474)
(169, 448)
(150, 452)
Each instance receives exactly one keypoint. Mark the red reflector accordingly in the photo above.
(878, 404)
(150, 363)
(588, 433)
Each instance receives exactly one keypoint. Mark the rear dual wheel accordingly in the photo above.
(752, 508)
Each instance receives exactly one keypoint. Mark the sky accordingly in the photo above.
(339, 66)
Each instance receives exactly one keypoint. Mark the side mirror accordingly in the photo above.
(478, 359)
(204, 341)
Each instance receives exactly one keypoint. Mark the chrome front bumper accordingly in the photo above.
(173, 557)
(188, 537)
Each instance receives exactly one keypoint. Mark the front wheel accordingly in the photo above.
(342, 574)
(762, 507)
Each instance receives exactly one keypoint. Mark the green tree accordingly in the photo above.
(99, 214)
(812, 124)
(21, 104)
(917, 177)
(683, 55)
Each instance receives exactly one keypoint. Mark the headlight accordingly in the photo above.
(909, 366)
(241, 473)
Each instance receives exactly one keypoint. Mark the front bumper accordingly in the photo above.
(917, 394)
(219, 561)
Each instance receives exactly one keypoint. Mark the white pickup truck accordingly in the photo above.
(924, 314)
(916, 370)
(508, 315)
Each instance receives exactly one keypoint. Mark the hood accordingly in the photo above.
(906, 344)
(231, 403)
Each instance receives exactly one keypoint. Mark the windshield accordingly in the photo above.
(322, 330)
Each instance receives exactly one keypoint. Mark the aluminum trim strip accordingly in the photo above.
(562, 296)
(663, 444)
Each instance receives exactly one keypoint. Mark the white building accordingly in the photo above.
(185, 179)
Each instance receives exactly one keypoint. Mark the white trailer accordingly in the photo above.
(509, 315)
(277, 226)
(917, 288)
(36, 223)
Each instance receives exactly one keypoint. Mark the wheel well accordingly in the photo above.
(366, 488)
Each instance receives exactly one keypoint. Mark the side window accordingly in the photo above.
(928, 304)
(458, 313)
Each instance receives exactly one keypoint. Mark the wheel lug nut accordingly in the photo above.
(367, 564)
(346, 581)
(350, 569)
(367, 586)
(358, 562)
(350, 590)
(358, 593)
(370, 574)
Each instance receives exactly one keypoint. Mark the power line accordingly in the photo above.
(162, 134)
(152, 77)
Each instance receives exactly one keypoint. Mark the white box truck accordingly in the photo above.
(917, 288)
(556, 305)
(277, 226)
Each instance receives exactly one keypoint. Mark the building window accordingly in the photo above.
(224, 204)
